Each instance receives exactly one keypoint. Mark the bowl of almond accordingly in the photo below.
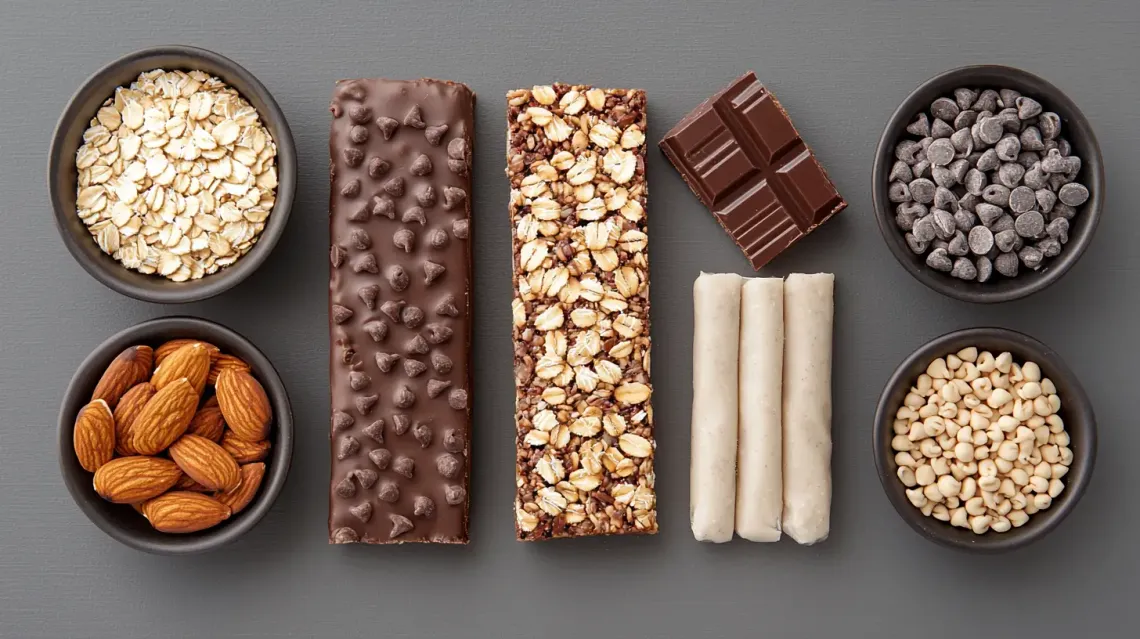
(175, 436)
(171, 173)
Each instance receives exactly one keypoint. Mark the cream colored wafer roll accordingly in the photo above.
(808, 318)
(759, 469)
(716, 341)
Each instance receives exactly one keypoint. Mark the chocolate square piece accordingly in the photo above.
(742, 156)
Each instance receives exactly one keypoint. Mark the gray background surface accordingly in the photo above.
(840, 68)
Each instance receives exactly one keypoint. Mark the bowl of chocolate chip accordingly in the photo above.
(171, 173)
(988, 183)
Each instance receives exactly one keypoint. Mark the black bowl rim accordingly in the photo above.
(933, 529)
(277, 468)
(107, 272)
(1029, 284)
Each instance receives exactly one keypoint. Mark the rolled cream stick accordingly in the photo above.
(759, 467)
(716, 341)
(808, 318)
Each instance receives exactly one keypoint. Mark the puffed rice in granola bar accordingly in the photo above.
(585, 447)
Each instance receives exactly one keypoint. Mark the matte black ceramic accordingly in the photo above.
(1074, 127)
(121, 521)
(1076, 411)
(62, 176)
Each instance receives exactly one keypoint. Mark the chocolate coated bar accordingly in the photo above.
(742, 156)
(399, 310)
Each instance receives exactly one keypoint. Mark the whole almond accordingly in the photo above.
(208, 421)
(183, 511)
(242, 451)
(94, 435)
(167, 348)
(251, 476)
(206, 463)
(223, 362)
(127, 369)
(244, 405)
(164, 418)
(191, 362)
(127, 412)
(130, 480)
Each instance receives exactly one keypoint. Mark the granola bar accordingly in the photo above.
(585, 448)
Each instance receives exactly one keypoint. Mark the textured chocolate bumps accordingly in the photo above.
(585, 448)
(399, 310)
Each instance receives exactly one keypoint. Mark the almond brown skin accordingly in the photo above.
(131, 480)
(251, 476)
(125, 414)
(94, 435)
(206, 463)
(164, 418)
(223, 362)
(184, 512)
(167, 348)
(128, 368)
(208, 422)
(245, 452)
(185, 483)
(191, 362)
(244, 405)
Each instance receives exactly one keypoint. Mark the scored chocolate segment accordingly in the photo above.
(742, 156)
(399, 310)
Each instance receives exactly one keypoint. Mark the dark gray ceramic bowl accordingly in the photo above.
(62, 176)
(1074, 127)
(1076, 411)
(121, 521)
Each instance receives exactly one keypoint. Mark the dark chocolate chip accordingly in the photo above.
(358, 134)
(1003, 223)
(922, 190)
(1073, 194)
(346, 488)
(385, 361)
(940, 130)
(453, 197)
(337, 255)
(363, 512)
(353, 157)
(1049, 247)
(365, 403)
(426, 197)
(988, 213)
(939, 260)
(987, 101)
(435, 387)
(366, 477)
(341, 421)
(421, 166)
(448, 465)
(1030, 224)
(400, 523)
(945, 199)
(348, 447)
(944, 224)
(377, 167)
(422, 433)
(921, 169)
(457, 399)
(1028, 159)
(1054, 162)
(383, 206)
(394, 187)
(962, 124)
(377, 330)
(457, 149)
(414, 368)
(941, 151)
(375, 430)
(1008, 147)
(981, 240)
(417, 346)
(366, 264)
(1058, 229)
(414, 214)
(458, 167)
(432, 272)
(958, 246)
(382, 457)
(454, 494)
(404, 239)
(440, 362)
(459, 229)
(359, 215)
(1031, 139)
(1062, 211)
(898, 192)
(905, 217)
(387, 126)
(404, 397)
(1010, 174)
(405, 466)
(900, 172)
(360, 240)
(435, 133)
(415, 117)
(996, 194)
(369, 294)
(358, 381)
(923, 230)
(412, 316)
(345, 535)
(1050, 125)
(990, 130)
(341, 314)
(392, 309)
(401, 423)
(446, 307)
(962, 142)
(398, 278)
(453, 441)
(1031, 257)
(1035, 178)
(437, 238)
(351, 188)
(963, 269)
(359, 113)
(1022, 199)
(944, 109)
(1045, 199)
(1027, 107)
(985, 268)
(1006, 240)
(920, 126)
(389, 492)
(965, 97)
(438, 333)
(424, 507)
(965, 220)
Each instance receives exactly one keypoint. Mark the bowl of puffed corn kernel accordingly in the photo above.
(984, 440)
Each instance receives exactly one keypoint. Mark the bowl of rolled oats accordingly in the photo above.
(171, 173)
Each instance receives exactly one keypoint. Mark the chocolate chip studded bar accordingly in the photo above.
(576, 162)
(399, 292)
